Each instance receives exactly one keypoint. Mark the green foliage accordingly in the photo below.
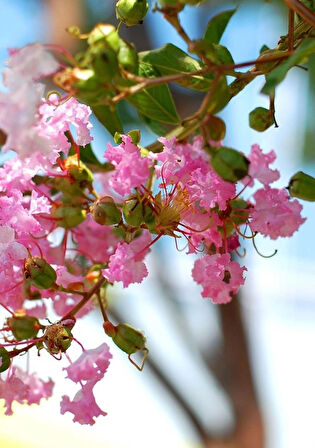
(154, 102)
(171, 60)
(217, 25)
(109, 118)
(306, 49)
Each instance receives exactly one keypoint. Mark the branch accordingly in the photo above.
(302, 10)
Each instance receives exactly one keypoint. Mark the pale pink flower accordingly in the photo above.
(126, 263)
(10, 250)
(219, 276)
(131, 170)
(259, 167)
(38, 388)
(91, 364)
(274, 214)
(83, 406)
(39, 204)
(209, 189)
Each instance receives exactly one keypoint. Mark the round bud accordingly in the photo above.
(215, 128)
(230, 164)
(68, 216)
(131, 12)
(5, 360)
(24, 327)
(77, 169)
(302, 186)
(127, 338)
(105, 212)
(57, 338)
(260, 119)
(39, 272)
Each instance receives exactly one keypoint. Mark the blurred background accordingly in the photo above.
(242, 372)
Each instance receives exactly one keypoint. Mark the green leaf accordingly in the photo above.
(109, 118)
(4, 359)
(154, 102)
(171, 60)
(220, 97)
(217, 25)
(154, 126)
(260, 119)
(277, 75)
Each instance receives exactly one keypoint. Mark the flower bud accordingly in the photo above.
(215, 128)
(99, 32)
(105, 212)
(302, 186)
(133, 211)
(39, 272)
(131, 12)
(77, 169)
(57, 338)
(68, 216)
(5, 360)
(127, 338)
(24, 327)
(230, 164)
(260, 119)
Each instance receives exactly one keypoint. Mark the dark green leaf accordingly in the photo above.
(4, 359)
(277, 75)
(217, 25)
(260, 119)
(170, 60)
(220, 97)
(154, 126)
(109, 118)
(154, 102)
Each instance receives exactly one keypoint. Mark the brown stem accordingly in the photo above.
(302, 10)
(85, 299)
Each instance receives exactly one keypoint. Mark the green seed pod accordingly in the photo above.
(230, 164)
(131, 12)
(39, 272)
(302, 186)
(127, 338)
(105, 212)
(128, 57)
(260, 119)
(57, 338)
(24, 327)
(133, 211)
(5, 360)
(68, 216)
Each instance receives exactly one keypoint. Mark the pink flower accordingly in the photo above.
(91, 364)
(126, 263)
(259, 167)
(39, 204)
(10, 250)
(131, 170)
(23, 388)
(83, 406)
(209, 189)
(219, 276)
(274, 214)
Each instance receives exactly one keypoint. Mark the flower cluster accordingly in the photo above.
(66, 233)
